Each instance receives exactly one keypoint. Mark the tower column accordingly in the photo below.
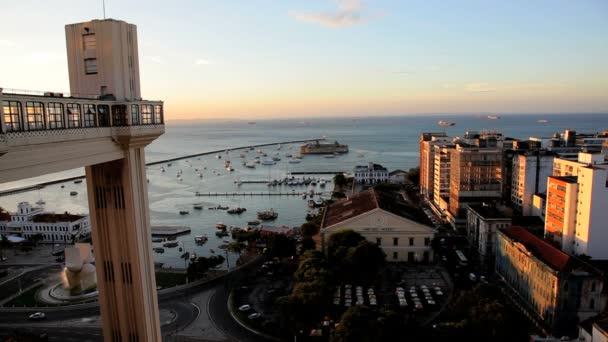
(118, 204)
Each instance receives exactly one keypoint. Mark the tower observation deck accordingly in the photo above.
(103, 125)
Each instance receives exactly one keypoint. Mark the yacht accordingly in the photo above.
(294, 161)
(220, 226)
(268, 161)
(268, 214)
(73, 193)
(184, 212)
(493, 117)
(250, 165)
(446, 123)
(238, 210)
(253, 223)
(198, 207)
(200, 239)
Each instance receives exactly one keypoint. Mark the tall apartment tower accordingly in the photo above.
(577, 198)
(427, 162)
(529, 176)
(103, 59)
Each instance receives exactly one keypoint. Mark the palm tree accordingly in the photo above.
(339, 181)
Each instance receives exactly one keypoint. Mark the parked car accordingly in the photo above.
(254, 315)
(245, 307)
(472, 277)
(37, 316)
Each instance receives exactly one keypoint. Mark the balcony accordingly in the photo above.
(59, 132)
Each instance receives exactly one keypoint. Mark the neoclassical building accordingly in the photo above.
(402, 231)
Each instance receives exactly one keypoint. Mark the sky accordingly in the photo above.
(265, 58)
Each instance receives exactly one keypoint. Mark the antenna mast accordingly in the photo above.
(104, 8)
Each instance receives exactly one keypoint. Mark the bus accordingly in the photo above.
(462, 260)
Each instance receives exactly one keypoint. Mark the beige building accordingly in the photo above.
(482, 224)
(427, 161)
(401, 230)
(528, 177)
(555, 288)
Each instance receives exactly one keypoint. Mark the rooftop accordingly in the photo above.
(369, 200)
(52, 218)
(567, 179)
(545, 252)
(487, 212)
(375, 167)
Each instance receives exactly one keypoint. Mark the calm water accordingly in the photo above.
(391, 141)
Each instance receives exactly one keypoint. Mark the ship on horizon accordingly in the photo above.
(446, 123)
(493, 117)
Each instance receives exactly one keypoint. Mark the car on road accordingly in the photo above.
(254, 315)
(37, 316)
(245, 307)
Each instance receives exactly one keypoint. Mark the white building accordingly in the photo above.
(482, 224)
(397, 177)
(402, 231)
(54, 228)
(577, 205)
(530, 172)
(371, 174)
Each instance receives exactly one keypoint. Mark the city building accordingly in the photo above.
(475, 174)
(53, 228)
(441, 178)
(577, 198)
(529, 176)
(594, 329)
(103, 125)
(539, 204)
(554, 288)
(402, 231)
(427, 162)
(397, 177)
(482, 223)
(371, 174)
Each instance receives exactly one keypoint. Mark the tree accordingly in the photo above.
(280, 245)
(308, 244)
(340, 181)
(309, 229)
(35, 238)
(339, 243)
(198, 267)
(236, 247)
(413, 175)
(364, 324)
(364, 262)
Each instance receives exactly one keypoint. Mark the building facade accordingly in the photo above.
(397, 177)
(371, 174)
(482, 224)
(386, 220)
(555, 288)
(577, 198)
(427, 161)
(529, 176)
(28, 221)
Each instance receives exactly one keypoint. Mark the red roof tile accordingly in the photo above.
(551, 256)
(347, 208)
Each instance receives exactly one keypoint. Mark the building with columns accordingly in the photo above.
(103, 125)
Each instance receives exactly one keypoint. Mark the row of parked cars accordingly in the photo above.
(252, 314)
(415, 298)
(360, 299)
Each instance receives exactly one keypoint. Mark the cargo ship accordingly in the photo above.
(446, 123)
(323, 148)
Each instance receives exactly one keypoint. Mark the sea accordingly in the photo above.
(390, 141)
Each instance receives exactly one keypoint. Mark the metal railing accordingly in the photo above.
(48, 93)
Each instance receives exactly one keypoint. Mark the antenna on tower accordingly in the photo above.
(104, 8)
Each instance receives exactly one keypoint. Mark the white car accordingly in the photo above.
(254, 315)
(245, 307)
(439, 293)
(37, 315)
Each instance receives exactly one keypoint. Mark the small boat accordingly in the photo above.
(220, 226)
(238, 210)
(169, 164)
(276, 158)
(63, 186)
(294, 161)
(218, 156)
(253, 223)
(40, 202)
(221, 233)
(493, 117)
(446, 123)
(268, 161)
(78, 181)
(200, 239)
(268, 214)
(360, 155)
(158, 249)
(198, 207)
(184, 212)
(322, 183)
(250, 165)
(73, 193)
(157, 240)
(171, 244)
(219, 207)
(542, 121)
(193, 256)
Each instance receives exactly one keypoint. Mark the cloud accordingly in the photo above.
(5, 43)
(479, 88)
(202, 61)
(348, 13)
(154, 59)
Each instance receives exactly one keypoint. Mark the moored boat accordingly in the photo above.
(268, 214)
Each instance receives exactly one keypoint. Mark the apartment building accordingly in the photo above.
(427, 161)
(556, 289)
(529, 176)
(577, 198)
(482, 223)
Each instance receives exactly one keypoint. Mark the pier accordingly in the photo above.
(293, 193)
(58, 181)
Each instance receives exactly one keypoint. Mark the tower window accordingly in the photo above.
(89, 42)
(90, 66)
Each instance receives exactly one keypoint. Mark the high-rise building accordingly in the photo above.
(529, 175)
(427, 162)
(475, 176)
(577, 198)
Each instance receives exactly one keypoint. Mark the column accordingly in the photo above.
(118, 204)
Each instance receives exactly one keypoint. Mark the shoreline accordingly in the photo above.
(43, 184)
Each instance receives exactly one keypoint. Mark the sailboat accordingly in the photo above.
(40, 201)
